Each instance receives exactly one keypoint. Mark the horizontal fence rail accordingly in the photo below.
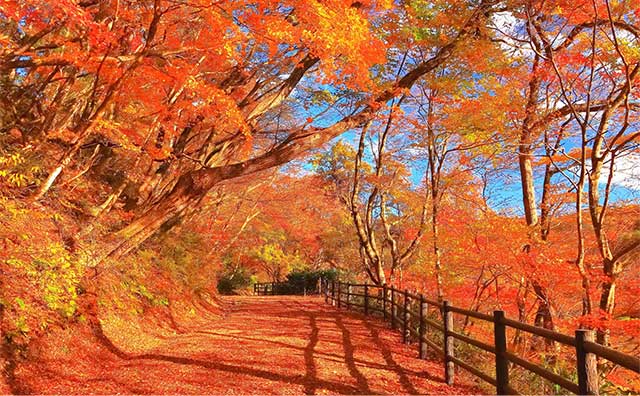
(412, 315)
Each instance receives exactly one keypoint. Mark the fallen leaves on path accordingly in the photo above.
(262, 345)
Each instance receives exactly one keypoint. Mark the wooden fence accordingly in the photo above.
(266, 288)
(280, 288)
(413, 315)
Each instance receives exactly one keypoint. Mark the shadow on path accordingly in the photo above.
(332, 386)
(391, 363)
(347, 346)
(310, 365)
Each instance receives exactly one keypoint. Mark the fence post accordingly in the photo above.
(333, 292)
(405, 318)
(325, 289)
(422, 349)
(393, 307)
(500, 340)
(447, 320)
(348, 295)
(366, 298)
(339, 294)
(384, 301)
(587, 364)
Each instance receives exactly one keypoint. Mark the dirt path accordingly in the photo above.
(267, 345)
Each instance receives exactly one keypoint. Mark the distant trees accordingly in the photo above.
(379, 198)
(277, 226)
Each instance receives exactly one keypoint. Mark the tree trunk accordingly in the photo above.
(525, 148)
(61, 165)
(543, 314)
(525, 155)
(436, 253)
(607, 295)
(382, 278)
(611, 269)
(189, 190)
(528, 190)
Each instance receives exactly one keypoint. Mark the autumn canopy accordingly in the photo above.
(154, 153)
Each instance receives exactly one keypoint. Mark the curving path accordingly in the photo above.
(270, 345)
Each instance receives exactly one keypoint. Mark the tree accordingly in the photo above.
(600, 102)
(192, 185)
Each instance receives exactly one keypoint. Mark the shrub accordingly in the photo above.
(233, 279)
(303, 281)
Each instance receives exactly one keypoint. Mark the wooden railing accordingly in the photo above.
(280, 288)
(266, 288)
(414, 315)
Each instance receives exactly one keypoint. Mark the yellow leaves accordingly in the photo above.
(630, 48)
(191, 83)
(342, 36)
(12, 159)
(6, 43)
(214, 103)
(108, 125)
(337, 163)
(229, 49)
(55, 274)
(128, 138)
(280, 30)
(16, 171)
(385, 4)
(17, 179)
